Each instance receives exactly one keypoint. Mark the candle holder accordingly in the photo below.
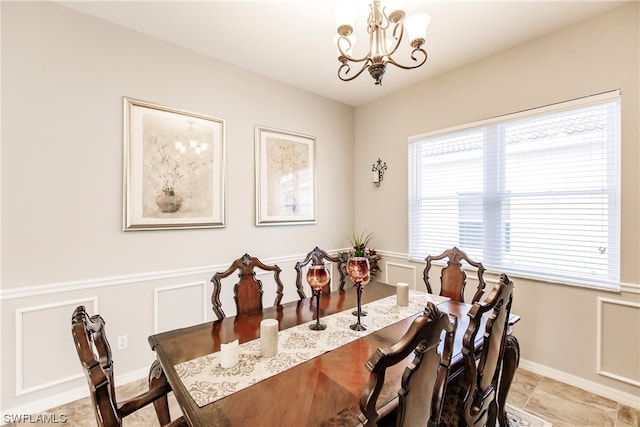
(317, 277)
(366, 280)
(377, 172)
(358, 270)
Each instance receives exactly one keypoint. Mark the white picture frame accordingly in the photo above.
(174, 168)
(285, 177)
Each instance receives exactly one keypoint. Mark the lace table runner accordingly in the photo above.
(207, 382)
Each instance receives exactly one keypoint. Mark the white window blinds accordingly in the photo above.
(536, 194)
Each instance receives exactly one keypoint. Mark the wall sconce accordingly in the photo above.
(377, 172)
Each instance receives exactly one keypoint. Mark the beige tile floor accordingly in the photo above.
(558, 403)
(565, 405)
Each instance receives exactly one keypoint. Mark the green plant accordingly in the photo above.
(359, 242)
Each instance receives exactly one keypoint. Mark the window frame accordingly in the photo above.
(612, 281)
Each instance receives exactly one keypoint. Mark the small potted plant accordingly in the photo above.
(359, 244)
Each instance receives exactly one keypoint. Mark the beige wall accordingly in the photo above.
(63, 78)
(559, 328)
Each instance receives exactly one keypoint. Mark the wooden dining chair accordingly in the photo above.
(453, 278)
(424, 379)
(475, 398)
(316, 257)
(247, 293)
(94, 353)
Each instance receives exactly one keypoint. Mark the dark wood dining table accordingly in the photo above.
(323, 391)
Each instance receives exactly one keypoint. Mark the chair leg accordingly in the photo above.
(510, 362)
(157, 378)
(492, 414)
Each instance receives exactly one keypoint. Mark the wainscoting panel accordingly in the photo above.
(618, 328)
(42, 329)
(179, 306)
(394, 273)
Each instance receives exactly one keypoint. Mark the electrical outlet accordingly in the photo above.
(123, 342)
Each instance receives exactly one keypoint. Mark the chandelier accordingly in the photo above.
(386, 31)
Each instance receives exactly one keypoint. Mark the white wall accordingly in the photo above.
(63, 78)
(566, 332)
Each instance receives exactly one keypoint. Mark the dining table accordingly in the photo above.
(321, 391)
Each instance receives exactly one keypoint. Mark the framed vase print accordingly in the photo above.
(174, 168)
(285, 177)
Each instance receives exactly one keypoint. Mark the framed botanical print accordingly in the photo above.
(285, 177)
(174, 168)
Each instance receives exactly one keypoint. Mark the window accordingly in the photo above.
(535, 194)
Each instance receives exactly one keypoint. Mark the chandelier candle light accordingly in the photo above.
(386, 29)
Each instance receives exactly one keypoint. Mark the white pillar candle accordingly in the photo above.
(268, 337)
(402, 294)
(229, 354)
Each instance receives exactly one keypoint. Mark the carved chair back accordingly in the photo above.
(481, 376)
(453, 278)
(94, 353)
(316, 257)
(424, 379)
(247, 293)
(89, 337)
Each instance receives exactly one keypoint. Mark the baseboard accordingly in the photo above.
(42, 405)
(628, 399)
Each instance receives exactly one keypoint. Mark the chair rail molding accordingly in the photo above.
(631, 288)
(85, 284)
(81, 285)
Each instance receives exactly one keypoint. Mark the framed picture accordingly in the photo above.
(174, 168)
(285, 177)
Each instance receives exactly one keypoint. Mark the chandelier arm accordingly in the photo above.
(346, 67)
(398, 39)
(343, 57)
(384, 19)
(371, 21)
(413, 56)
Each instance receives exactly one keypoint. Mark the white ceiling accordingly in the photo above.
(292, 41)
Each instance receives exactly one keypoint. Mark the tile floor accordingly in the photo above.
(556, 402)
(565, 405)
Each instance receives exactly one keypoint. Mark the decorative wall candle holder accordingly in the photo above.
(377, 172)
